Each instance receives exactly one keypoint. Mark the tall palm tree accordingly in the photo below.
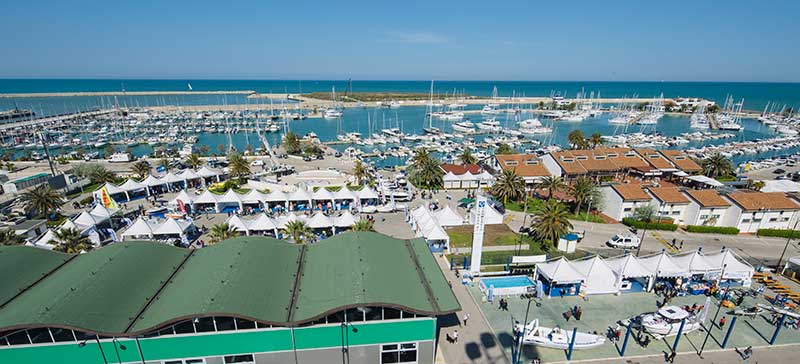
(194, 161)
(360, 172)
(550, 221)
(141, 168)
(581, 191)
(717, 165)
(297, 231)
(9, 237)
(363, 225)
(553, 184)
(291, 143)
(466, 157)
(102, 175)
(424, 171)
(223, 231)
(42, 199)
(596, 140)
(576, 139)
(509, 186)
(70, 241)
(238, 165)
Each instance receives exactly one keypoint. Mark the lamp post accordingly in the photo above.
(522, 334)
(788, 239)
(719, 307)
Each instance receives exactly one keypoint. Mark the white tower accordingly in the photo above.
(477, 234)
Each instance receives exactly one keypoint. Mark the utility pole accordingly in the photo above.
(788, 239)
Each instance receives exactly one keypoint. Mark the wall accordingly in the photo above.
(612, 203)
(551, 165)
(278, 343)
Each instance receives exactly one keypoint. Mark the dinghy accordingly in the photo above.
(557, 338)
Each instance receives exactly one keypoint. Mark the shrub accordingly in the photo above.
(780, 233)
(648, 225)
(712, 229)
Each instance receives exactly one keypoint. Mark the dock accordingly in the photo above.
(712, 121)
(54, 119)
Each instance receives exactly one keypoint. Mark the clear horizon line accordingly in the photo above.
(377, 80)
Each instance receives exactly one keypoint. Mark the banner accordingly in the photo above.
(106, 200)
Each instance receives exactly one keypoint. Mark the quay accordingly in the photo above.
(55, 118)
(712, 121)
(124, 93)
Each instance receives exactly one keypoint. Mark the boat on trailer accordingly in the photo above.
(557, 338)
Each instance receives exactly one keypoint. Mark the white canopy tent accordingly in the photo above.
(735, 267)
(185, 197)
(188, 175)
(152, 181)
(139, 228)
(263, 223)
(207, 172)
(238, 224)
(490, 217)
(559, 271)
(628, 266)
(345, 220)
(86, 220)
(600, 277)
(207, 197)
(172, 227)
(103, 213)
(230, 197)
(446, 216)
(694, 262)
(253, 197)
(662, 265)
(320, 221)
(132, 186)
(43, 241)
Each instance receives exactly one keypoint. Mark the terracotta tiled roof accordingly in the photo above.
(526, 165)
(631, 192)
(681, 160)
(655, 158)
(670, 195)
(708, 198)
(751, 201)
(582, 161)
(459, 169)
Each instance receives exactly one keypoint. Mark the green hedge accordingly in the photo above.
(648, 225)
(712, 229)
(780, 233)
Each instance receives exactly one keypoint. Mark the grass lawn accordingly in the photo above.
(582, 217)
(534, 203)
(533, 248)
(494, 235)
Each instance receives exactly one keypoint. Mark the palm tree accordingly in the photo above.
(223, 231)
(297, 230)
(717, 165)
(576, 139)
(101, 175)
(596, 140)
(550, 221)
(509, 186)
(553, 184)
(360, 172)
(194, 161)
(291, 143)
(238, 165)
(42, 199)
(504, 148)
(9, 237)
(363, 225)
(141, 168)
(466, 157)
(424, 171)
(70, 241)
(757, 185)
(164, 161)
(581, 191)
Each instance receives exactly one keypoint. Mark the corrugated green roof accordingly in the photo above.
(21, 266)
(134, 287)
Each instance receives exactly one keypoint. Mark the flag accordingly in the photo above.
(181, 206)
(106, 200)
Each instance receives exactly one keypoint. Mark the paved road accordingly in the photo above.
(765, 354)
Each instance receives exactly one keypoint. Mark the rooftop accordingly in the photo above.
(135, 287)
(670, 195)
(526, 165)
(708, 198)
(459, 169)
(763, 200)
(631, 192)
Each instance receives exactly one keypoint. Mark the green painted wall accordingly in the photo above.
(217, 344)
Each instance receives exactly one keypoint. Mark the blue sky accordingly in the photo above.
(733, 40)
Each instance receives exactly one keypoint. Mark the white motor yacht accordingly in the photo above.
(490, 125)
(464, 127)
(529, 124)
(667, 320)
(332, 113)
(557, 338)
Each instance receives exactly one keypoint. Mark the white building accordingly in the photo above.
(751, 211)
(620, 200)
(670, 203)
(706, 208)
(465, 176)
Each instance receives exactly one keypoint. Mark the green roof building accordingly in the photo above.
(355, 297)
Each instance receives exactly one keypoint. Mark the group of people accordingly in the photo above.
(503, 304)
(576, 312)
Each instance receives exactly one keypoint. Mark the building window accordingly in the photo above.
(185, 361)
(626, 209)
(582, 158)
(756, 219)
(773, 219)
(399, 353)
(613, 155)
(245, 359)
(703, 217)
(511, 163)
(745, 220)
(225, 323)
(242, 324)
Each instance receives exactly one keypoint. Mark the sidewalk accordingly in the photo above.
(477, 342)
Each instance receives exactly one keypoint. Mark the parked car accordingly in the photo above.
(779, 171)
(623, 241)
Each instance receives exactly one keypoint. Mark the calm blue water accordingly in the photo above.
(508, 282)
(756, 95)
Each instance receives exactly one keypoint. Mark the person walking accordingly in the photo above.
(722, 322)
(455, 336)
(466, 317)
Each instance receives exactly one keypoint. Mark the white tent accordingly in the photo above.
(322, 194)
(44, 240)
(86, 220)
(735, 267)
(238, 224)
(600, 277)
(705, 180)
(152, 181)
(189, 174)
(367, 193)
(262, 223)
(629, 266)
(320, 221)
(205, 171)
(694, 262)
(172, 227)
(140, 227)
(560, 271)
(345, 220)
(172, 178)
(184, 197)
(103, 213)
(344, 193)
(230, 197)
(435, 232)
(490, 217)
(299, 195)
(207, 197)
(662, 265)
(447, 217)
(112, 188)
(130, 185)
(285, 219)
(253, 197)
(276, 196)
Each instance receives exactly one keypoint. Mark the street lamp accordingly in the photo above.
(719, 307)
(788, 239)
(522, 334)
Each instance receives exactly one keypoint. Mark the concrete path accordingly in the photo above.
(763, 354)
(477, 343)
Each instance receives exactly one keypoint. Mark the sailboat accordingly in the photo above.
(557, 338)
(332, 112)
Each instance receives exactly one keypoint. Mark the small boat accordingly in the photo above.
(464, 127)
(557, 338)
(667, 320)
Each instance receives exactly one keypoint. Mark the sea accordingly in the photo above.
(410, 119)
